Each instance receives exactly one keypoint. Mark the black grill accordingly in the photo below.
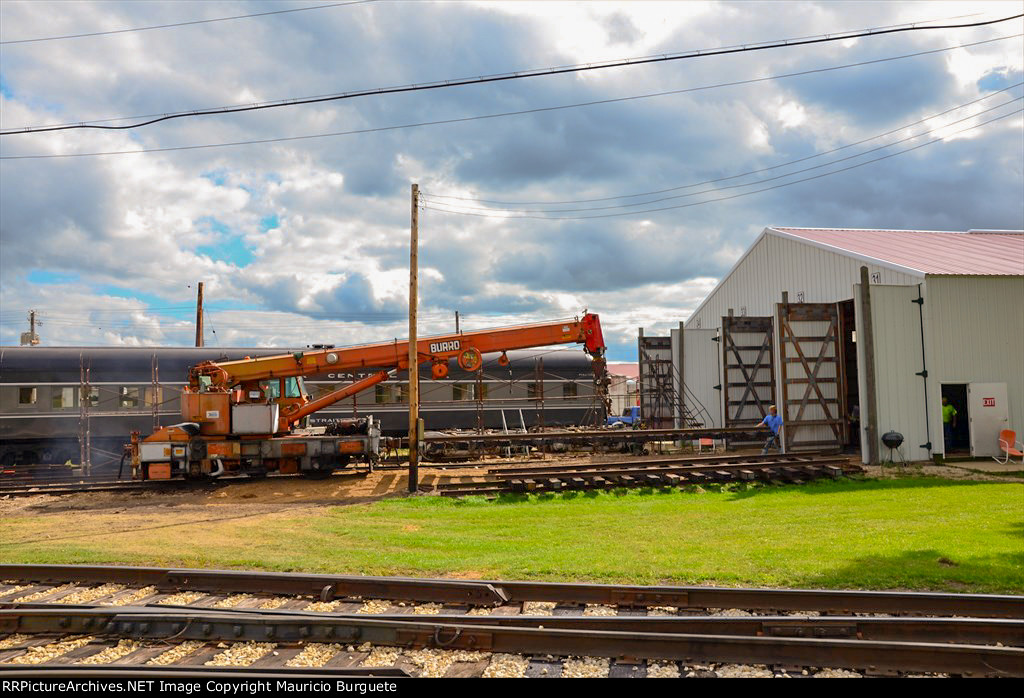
(892, 439)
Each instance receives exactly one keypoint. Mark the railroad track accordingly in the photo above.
(658, 472)
(129, 617)
(71, 487)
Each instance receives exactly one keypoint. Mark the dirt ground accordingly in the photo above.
(274, 494)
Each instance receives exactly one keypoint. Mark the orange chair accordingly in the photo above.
(701, 443)
(1007, 444)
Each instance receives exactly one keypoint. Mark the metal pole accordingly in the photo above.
(199, 316)
(414, 375)
(155, 396)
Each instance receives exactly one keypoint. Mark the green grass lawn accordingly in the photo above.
(912, 533)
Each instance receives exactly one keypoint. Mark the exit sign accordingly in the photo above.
(988, 402)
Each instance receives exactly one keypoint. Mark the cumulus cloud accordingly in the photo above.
(307, 240)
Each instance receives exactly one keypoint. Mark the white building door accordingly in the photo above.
(989, 414)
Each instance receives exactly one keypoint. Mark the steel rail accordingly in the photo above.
(959, 630)
(115, 671)
(497, 592)
(75, 487)
(872, 655)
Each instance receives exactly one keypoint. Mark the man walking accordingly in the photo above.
(774, 422)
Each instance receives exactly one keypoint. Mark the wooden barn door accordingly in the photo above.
(657, 388)
(748, 369)
(813, 407)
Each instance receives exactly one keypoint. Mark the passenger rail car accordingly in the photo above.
(51, 396)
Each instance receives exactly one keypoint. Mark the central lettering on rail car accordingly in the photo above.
(438, 347)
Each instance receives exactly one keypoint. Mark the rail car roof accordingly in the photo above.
(20, 365)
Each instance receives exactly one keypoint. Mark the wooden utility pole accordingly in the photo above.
(30, 338)
(414, 364)
(868, 403)
(199, 317)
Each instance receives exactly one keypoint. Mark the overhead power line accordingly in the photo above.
(733, 196)
(283, 139)
(289, 100)
(437, 197)
(183, 24)
(520, 75)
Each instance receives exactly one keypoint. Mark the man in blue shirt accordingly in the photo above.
(774, 422)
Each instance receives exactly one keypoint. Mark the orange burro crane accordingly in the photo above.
(245, 415)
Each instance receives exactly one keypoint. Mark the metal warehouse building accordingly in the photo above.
(938, 314)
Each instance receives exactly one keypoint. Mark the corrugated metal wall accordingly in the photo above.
(776, 264)
(975, 332)
(701, 369)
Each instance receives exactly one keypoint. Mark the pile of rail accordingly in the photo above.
(440, 446)
(651, 472)
(68, 619)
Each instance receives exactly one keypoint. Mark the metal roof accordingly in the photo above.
(974, 253)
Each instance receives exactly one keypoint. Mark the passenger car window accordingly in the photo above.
(128, 397)
(26, 396)
(63, 398)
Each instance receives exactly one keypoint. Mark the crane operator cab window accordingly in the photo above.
(272, 389)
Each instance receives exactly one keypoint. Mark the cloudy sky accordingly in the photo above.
(529, 214)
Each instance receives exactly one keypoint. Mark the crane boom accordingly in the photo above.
(465, 347)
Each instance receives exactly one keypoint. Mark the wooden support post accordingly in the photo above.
(640, 372)
(682, 384)
(414, 364)
(868, 405)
